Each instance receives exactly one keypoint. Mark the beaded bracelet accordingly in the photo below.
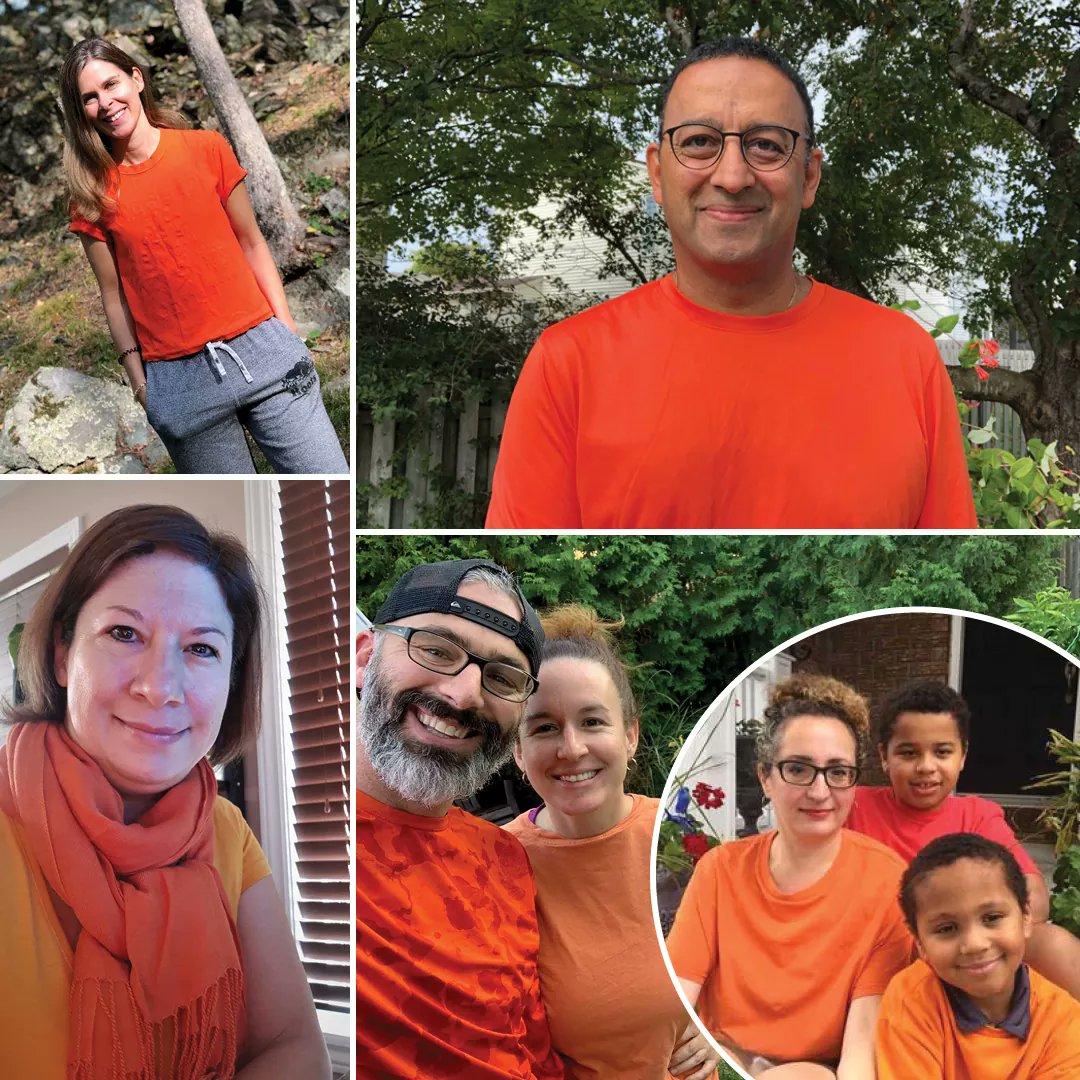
(128, 352)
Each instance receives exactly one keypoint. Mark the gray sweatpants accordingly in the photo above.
(264, 380)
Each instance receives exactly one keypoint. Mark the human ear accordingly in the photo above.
(812, 177)
(519, 757)
(137, 79)
(883, 756)
(365, 643)
(632, 735)
(652, 163)
(60, 657)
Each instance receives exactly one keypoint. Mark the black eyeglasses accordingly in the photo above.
(437, 653)
(765, 148)
(803, 774)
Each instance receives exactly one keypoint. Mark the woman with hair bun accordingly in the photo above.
(610, 1004)
(192, 297)
(786, 941)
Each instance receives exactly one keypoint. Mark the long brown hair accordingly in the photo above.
(126, 534)
(88, 162)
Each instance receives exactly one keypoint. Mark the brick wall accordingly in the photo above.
(878, 655)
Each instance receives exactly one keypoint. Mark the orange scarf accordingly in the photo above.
(158, 987)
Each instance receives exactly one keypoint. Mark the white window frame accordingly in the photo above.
(271, 749)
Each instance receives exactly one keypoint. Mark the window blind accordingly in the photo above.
(316, 545)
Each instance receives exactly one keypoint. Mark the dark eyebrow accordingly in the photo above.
(457, 639)
(810, 761)
(715, 124)
(138, 615)
(598, 707)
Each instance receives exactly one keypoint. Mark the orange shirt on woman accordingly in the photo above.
(36, 957)
(781, 969)
(610, 1003)
(185, 277)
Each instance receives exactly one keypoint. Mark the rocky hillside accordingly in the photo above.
(292, 60)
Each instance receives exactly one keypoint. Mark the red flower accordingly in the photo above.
(695, 845)
(982, 373)
(708, 798)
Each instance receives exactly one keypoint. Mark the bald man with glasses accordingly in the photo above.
(447, 933)
(735, 392)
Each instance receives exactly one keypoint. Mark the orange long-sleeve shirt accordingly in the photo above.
(648, 411)
(917, 1035)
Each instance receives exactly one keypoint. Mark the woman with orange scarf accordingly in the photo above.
(142, 935)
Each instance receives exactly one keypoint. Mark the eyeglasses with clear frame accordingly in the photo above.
(437, 653)
(803, 774)
(765, 147)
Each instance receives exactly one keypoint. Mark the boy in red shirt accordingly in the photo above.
(970, 1008)
(921, 733)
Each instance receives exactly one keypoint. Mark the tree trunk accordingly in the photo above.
(278, 219)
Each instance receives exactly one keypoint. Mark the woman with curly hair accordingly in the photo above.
(610, 1005)
(786, 941)
(192, 297)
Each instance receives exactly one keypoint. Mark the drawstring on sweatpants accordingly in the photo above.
(213, 346)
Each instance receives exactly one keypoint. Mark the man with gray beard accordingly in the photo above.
(447, 933)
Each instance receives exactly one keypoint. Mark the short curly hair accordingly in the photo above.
(949, 849)
(811, 695)
(925, 696)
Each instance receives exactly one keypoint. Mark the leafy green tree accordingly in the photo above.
(949, 133)
(701, 609)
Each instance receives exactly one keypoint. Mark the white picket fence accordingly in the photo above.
(464, 445)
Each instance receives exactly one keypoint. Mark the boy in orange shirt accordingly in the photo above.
(970, 1008)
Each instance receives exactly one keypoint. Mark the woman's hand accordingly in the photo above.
(692, 1058)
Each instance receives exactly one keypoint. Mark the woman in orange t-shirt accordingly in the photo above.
(786, 941)
(142, 933)
(611, 1007)
(191, 294)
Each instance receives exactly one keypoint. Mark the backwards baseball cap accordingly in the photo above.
(432, 587)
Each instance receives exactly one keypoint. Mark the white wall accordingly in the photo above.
(31, 507)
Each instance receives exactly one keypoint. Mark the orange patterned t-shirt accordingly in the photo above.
(446, 951)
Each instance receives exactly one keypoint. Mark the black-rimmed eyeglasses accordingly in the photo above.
(803, 774)
(765, 148)
(437, 653)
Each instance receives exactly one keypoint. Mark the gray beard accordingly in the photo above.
(428, 776)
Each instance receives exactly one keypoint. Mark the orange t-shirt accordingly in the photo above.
(650, 412)
(446, 944)
(183, 272)
(610, 1003)
(917, 1035)
(877, 812)
(36, 957)
(780, 969)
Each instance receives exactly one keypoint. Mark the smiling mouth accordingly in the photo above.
(979, 969)
(926, 785)
(161, 735)
(441, 726)
(115, 116)
(577, 778)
